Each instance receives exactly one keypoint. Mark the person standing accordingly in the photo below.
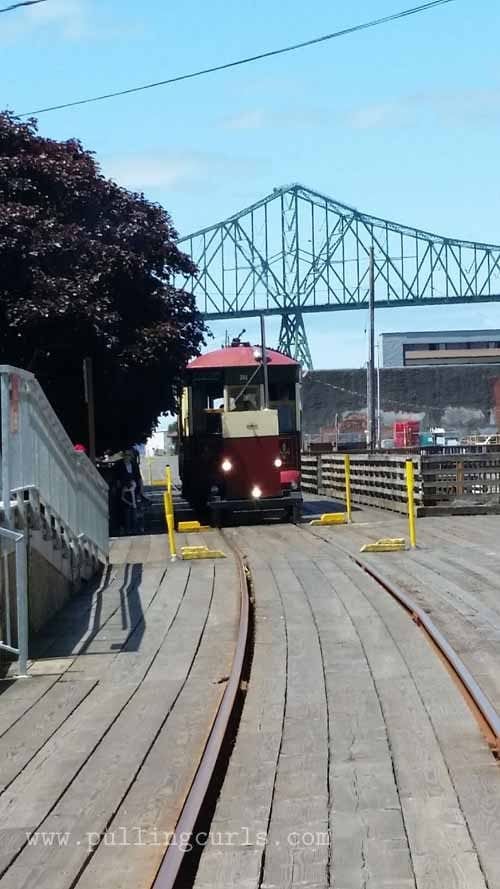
(129, 501)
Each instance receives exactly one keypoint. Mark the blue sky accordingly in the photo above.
(402, 121)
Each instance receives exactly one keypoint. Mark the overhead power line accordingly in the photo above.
(264, 55)
(24, 3)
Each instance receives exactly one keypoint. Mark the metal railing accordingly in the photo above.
(37, 456)
(14, 628)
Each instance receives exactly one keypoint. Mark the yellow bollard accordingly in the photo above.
(410, 487)
(168, 478)
(169, 516)
(347, 472)
(169, 492)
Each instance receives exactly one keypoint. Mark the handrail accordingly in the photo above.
(37, 453)
(21, 650)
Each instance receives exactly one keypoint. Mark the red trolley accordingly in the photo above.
(240, 432)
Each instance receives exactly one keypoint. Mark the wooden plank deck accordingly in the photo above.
(98, 750)
(453, 575)
(357, 763)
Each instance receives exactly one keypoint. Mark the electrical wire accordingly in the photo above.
(264, 55)
(24, 3)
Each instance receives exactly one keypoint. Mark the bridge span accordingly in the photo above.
(297, 251)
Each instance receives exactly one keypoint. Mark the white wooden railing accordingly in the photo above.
(42, 472)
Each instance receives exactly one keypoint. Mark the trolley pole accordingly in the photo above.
(264, 361)
(370, 388)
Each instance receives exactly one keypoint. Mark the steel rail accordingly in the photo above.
(172, 860)
(474, 692)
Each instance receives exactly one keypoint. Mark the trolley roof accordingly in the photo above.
(239, 356)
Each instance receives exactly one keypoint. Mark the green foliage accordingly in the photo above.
(86, 269)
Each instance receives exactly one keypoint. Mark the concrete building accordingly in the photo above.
(425, 348)
(462, 400)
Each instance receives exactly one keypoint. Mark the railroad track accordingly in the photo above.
(357, 759)
(350, 758)
(218, 738)
(305, 864)
(480, 705)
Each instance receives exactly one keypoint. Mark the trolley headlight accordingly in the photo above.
(256, 492)
(226, 465)
(278, 462)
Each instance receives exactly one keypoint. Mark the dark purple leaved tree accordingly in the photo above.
(86, 270)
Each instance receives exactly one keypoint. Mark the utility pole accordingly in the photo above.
(264, 360)
(88, 383)
(379, 415)
(370, 387)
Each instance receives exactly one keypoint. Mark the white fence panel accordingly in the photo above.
(37, 453)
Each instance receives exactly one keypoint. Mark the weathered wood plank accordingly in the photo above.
(28, 735)
(19, 696)
(155, 799)
(31, 796)
(125, 761)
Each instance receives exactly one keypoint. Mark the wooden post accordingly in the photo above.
(410, 488)
(347, 473)
(88, 382)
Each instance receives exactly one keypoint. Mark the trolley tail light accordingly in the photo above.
(226, 465)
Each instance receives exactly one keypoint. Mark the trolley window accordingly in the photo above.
(282, 399)
(208, 403)
(244, 399)
(286, 417)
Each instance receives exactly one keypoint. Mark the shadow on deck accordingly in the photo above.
(114, 603)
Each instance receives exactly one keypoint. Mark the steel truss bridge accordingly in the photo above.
(298, 251)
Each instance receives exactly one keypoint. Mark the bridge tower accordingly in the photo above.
(293, 337)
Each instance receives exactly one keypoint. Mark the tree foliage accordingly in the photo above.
(86, 270)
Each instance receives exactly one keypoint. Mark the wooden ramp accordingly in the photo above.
(98, 749)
